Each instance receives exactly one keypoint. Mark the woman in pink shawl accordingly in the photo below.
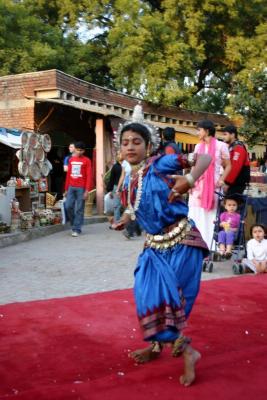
(202, 199)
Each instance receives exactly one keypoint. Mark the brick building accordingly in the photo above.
(70, 109)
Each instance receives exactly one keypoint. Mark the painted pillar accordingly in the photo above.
(99, 165)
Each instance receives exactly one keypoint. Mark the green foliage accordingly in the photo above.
(249, 102)
(35, 36)
(25, 42)
(168, 52)
(189, 53)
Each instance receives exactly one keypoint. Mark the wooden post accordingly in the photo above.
(99, 165)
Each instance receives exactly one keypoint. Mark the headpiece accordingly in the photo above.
(138, 117)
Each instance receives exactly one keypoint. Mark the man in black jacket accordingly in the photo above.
(239, 175)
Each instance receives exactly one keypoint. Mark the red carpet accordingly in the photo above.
(76, 348)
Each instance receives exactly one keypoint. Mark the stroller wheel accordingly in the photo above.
(204, 266)
(210, 267)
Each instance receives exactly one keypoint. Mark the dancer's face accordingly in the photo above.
(133, 147)
(258, 233)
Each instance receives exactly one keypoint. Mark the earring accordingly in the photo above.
(147, 153)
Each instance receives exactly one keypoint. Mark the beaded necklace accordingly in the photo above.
(132, 209)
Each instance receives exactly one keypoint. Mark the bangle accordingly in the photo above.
(192, 158)
(127, 211)
(190, 180)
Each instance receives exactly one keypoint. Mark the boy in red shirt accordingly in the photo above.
(78, 184)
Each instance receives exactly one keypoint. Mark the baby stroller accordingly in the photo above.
(239, 248)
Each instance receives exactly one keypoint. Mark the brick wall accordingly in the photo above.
(16, 111)
(20, 118)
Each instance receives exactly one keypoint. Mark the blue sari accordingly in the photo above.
(166, 281)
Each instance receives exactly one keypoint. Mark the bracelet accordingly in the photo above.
(190, 180)
(192, 158)
(127, 211)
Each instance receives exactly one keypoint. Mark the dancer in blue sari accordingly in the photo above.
(168, 271)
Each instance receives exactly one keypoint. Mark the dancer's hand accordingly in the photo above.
(118, 226)
(180, 187)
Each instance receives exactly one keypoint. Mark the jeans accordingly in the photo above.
(117, 207)
(75, 207)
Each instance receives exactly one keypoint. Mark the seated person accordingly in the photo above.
(229, 221)
(256, 260)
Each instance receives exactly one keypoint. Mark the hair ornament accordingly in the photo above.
(138, 118)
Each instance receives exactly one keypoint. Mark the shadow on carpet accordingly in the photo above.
(77, 347)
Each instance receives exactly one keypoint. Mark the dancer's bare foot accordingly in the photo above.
(145, 355)
(191, 357)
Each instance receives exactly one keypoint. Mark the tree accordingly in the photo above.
(189, 53)
(248, 102)
(171, 52)
(25, 43)
(35, 36)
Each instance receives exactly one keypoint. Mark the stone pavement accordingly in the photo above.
(59, 265)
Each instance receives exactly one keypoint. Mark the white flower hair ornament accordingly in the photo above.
(138, 118)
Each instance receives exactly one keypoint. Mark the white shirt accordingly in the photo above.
(257, 250)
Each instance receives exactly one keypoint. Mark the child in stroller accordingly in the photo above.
(229, 222)
(236, 247)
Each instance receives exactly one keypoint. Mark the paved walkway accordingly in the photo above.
(59, 265)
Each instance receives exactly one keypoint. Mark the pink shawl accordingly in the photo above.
(207, 198)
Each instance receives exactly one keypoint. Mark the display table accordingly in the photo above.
(258, 178)
(24, 198)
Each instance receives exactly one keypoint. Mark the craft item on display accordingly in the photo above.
(12, 181)
(25, 138)
(33, 141)
(19, 154)
(23, 168)
(15, 214)
(42, 185)
(28, 155)
(46, 167)
(4, 228)
(39, 154)
(26, 220)
(50, 199)
(46, 217)
(32, 155)
(34, 171)
(46, 142)
(34, 189)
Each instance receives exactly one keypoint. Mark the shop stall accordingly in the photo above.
(25, 200)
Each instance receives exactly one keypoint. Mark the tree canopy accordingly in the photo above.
(192, 53)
